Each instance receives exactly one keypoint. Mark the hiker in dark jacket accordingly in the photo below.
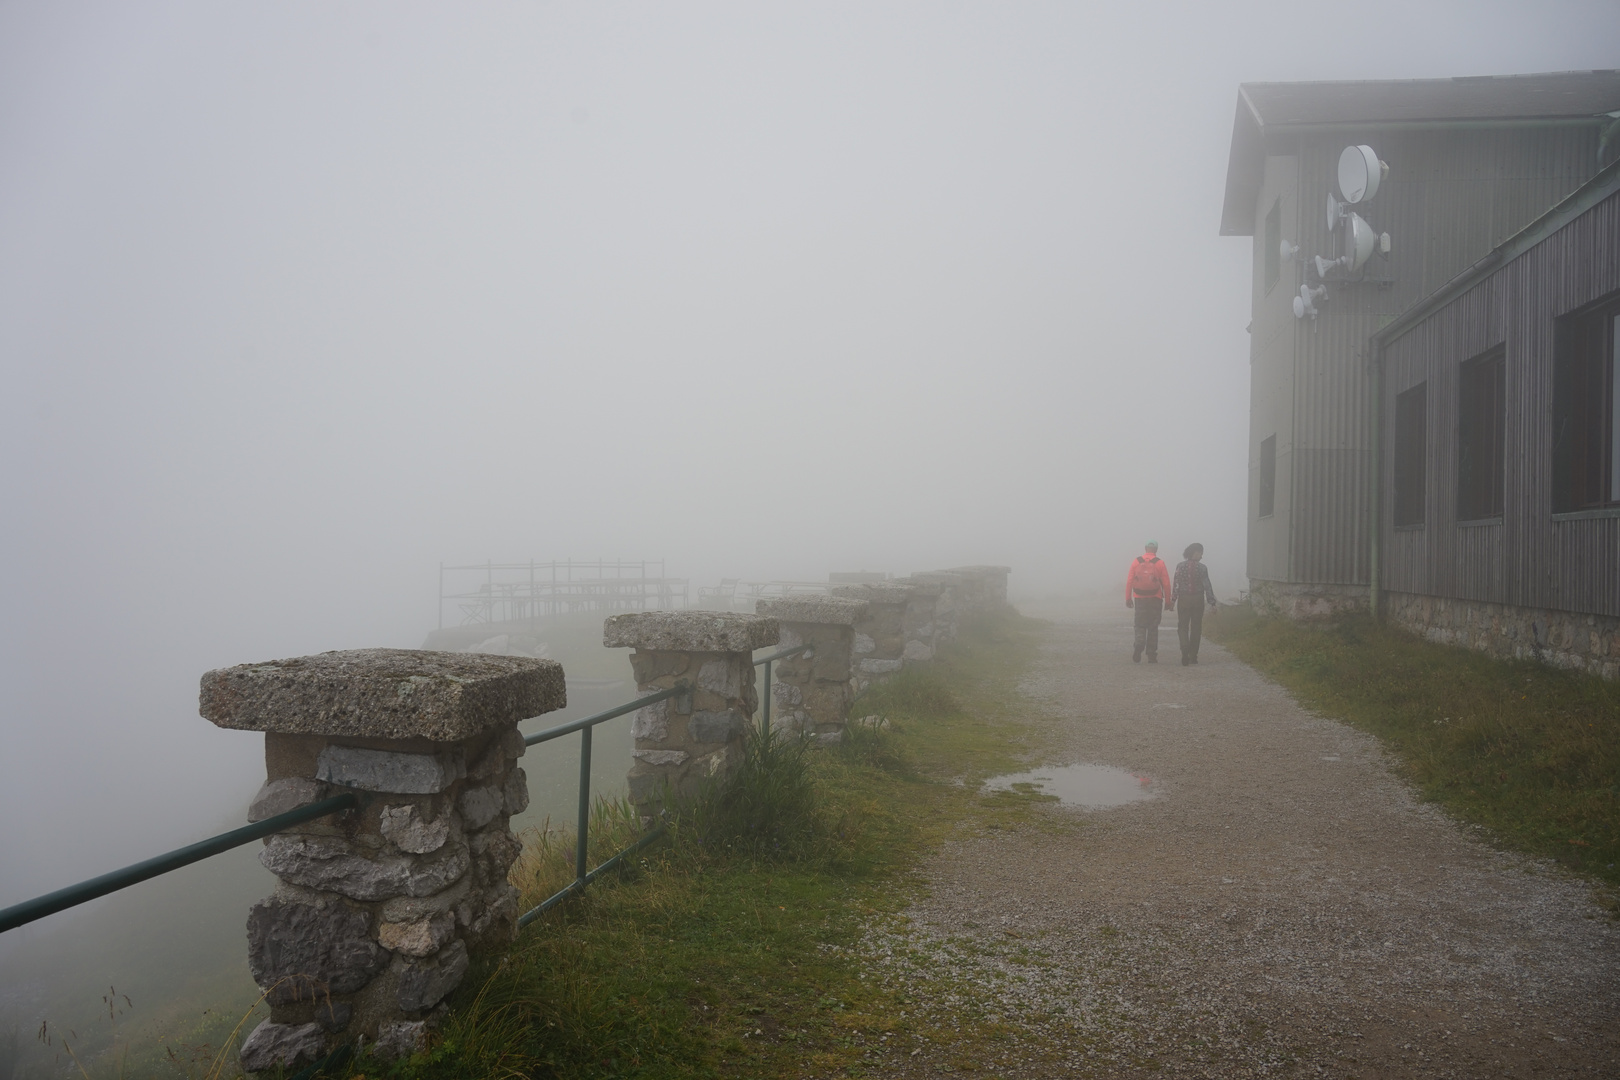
(1147, 587)
(1191, 588)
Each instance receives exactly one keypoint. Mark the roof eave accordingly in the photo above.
(1245, 169)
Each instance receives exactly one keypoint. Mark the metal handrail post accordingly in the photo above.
(765, 723)
(582, 839)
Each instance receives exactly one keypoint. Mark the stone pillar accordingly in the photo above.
(376, 909)
(989, 588)
(812, 690)
(947, 605)
(880, 639)
(685, 741)
(918, 622)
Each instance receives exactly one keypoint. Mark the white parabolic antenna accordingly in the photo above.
(1335, 212)
(1362, 240)
(1359, 173)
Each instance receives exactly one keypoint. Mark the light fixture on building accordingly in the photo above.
(1305, 302)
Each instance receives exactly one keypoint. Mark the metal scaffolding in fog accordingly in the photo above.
(492, 592)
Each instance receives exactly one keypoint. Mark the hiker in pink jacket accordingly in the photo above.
(1147, 589)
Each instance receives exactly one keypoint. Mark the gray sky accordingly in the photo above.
(298, 300)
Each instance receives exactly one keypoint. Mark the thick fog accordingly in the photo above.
(298, 301)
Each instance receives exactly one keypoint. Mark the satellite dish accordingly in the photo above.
(1287, 251)
(1359, 174)
(1361, 241)
(1324, 265)
(1299, 307)
(1335, 212)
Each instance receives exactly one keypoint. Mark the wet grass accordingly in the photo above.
(728, 950)
(1528, 752)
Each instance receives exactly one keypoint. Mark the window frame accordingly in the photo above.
(1490, 367)
(1410, 453)
(1265, 502)
(1583, 399)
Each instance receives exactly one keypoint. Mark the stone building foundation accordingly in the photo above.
(686, 741)
(1302, 600)
(1564, 639)
(812, 692)
(377, 910)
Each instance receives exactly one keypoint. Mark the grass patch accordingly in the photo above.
(728, 951)
(1529, 752)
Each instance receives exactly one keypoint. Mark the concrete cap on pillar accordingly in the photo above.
(689, 631)
(834, 610)
(383, 694)
(887, 592)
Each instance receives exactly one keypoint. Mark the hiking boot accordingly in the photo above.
(1136, 656)
(1153, 659)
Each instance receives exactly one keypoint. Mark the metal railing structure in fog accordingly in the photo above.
(74, 895)
(85, 891)
(584, 726)
(765, 694)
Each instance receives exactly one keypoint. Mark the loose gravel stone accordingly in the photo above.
(1286, 907)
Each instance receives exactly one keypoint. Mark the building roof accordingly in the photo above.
(1268, 110)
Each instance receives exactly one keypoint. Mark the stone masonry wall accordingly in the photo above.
(1564, 639)
(686, 741)
(377, 910)
(946, 613)
(1296, 600)
(812, 690)
(919, 623)
(880, 637)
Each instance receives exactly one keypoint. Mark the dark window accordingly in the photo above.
(1481, 429)
(1411, 437)
(1268, 475)
(1274, 245)
(1586, 410)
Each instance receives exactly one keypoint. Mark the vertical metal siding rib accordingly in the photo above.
(1530, 559)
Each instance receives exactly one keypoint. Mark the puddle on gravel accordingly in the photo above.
(1091, 787)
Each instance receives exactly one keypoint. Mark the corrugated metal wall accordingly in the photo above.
(1528, 558)
(1450, 198)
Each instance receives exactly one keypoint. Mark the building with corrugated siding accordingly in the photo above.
(1474, 166)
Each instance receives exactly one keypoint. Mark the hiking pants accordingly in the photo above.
(1149, 610)
(1190, 624)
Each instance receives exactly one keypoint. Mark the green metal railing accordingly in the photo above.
(74, 895)
(765, 696)
(584, 725)
(583, 877)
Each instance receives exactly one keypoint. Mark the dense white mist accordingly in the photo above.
(298, 300)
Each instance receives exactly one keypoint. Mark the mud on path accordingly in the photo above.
(1284, 907)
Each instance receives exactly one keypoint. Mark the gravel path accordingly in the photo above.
(1283, 907)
